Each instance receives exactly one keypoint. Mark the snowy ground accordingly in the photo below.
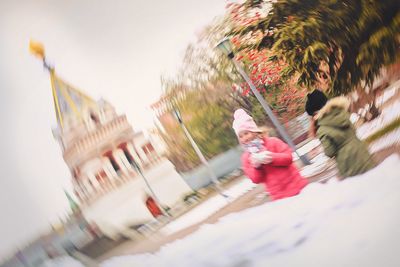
(389, 92)
(349, 223)
(388, 114)
(307, 148)
(65, 261)
(318, 165)
(212, 205)
(207, 208)
(393, 138)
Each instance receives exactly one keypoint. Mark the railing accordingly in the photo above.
(298, 128)
(101, 133)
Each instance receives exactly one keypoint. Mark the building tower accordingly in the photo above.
(96, 143)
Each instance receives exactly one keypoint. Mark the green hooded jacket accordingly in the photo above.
(339, 139)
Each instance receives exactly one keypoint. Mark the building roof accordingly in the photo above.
(69, 102)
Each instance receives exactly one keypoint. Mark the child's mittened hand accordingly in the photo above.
(265, 157)
(254, 160)
(257, 159)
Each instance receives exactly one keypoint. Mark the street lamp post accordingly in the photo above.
(226, 48)
(198, 152)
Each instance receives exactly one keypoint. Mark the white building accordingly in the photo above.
(102, 151)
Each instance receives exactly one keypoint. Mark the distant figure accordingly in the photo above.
(153, 207)
(332, 126)
(266, 159)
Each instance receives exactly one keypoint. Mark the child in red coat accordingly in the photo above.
(267, 160)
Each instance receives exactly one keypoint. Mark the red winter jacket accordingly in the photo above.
(280, 177)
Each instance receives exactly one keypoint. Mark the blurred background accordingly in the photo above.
(117, 116)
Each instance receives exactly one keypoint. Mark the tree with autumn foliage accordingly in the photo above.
(208, 89)
(285, 97)
(208, 119)
(347, 41)
(271, 76)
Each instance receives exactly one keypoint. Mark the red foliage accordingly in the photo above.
(286, 98)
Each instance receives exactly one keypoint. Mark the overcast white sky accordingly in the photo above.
(112, 49)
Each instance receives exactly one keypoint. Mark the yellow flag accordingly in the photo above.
(36, 49)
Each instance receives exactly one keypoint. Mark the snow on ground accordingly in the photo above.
(349, 223)
(309, 146)
(388, 114)
(379, 101)
(207, 208)
(306, 148)
(393, 138)
(64, 261)
(389, 92)
(318, 164)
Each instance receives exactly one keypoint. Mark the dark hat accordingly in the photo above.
(315, 101)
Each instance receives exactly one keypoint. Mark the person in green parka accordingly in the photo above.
(337, 134)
